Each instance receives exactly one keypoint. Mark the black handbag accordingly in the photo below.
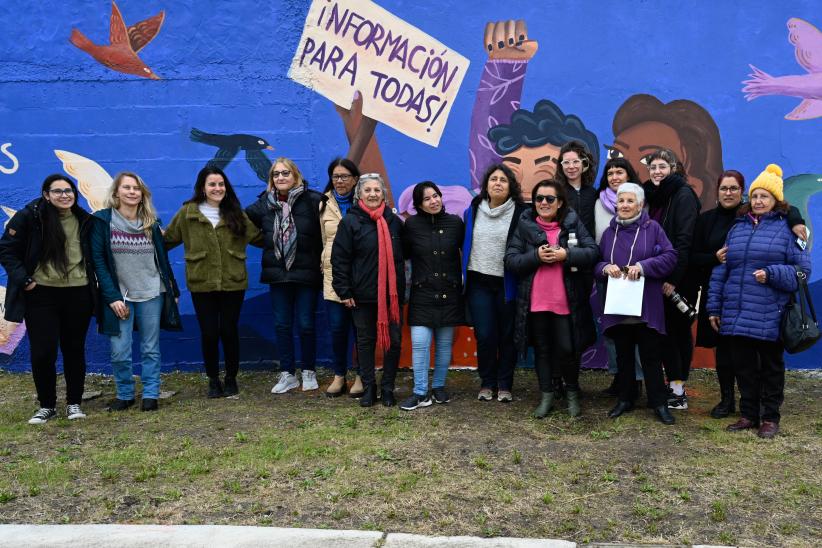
(800, 329)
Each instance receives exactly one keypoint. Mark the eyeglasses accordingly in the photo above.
(61, 191)
(284, 173)
(340, 177)
(729, 189)
(571, 163)
(539, 198)
(659, 167)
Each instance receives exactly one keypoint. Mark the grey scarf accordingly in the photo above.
(285, 230)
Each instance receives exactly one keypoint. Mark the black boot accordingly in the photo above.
(388, 399)
(230, 388)
(215, 388)
(369, 396)
(726, 405)
(664, 415)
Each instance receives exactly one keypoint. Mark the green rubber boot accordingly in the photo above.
(573, 403)
(545, 405)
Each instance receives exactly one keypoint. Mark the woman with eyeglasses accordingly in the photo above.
(288, 213)
(51, 285)
(215, 233)
(675, 206)
(553, 312)
(137, 287)
(369, 277)
(343, 175)
(490, 288)
(709, 251)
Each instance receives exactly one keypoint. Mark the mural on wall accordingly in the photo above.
(124, 44)
(15, 165)
(93, 181)
(807, 39)
(229, 145)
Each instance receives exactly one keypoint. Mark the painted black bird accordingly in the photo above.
(230, 145)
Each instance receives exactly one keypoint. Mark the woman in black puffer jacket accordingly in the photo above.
(368, 274)
(289, 215)
(432, 239)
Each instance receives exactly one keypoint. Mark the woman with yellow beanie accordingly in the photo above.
(747, 297)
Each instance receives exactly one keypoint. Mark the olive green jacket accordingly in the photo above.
(215, 257)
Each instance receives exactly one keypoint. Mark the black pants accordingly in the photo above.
(552, 336)
(760, 375)
(627, 337)
(218, 313)
(365, 323)
(678, 344)
(724, 364)
(58, 317)
(493, 320)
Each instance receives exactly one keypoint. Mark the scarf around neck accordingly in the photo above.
(388, 309)
(285, 230)
(629, 221)
(344, 202)
(502, 209)
(608, 198)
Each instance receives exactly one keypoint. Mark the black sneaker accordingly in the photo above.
(120, 405)
(215, 388)
(43, 415)
(415, 401)
(230, 387)
(149, 404)
(678, 402)
(441, 395)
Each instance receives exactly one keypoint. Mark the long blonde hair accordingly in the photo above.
(145, 209)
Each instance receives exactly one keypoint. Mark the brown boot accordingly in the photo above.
(768, 430)
(741, 424)
(336, 388)
(357, 389)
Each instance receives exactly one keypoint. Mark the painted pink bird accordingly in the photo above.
(808, 42)
(121, 54)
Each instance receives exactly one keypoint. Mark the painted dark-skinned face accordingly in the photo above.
(636, 142)
(532, 165)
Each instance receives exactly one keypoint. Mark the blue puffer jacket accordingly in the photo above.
(746, 307)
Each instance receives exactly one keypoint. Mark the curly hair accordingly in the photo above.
(514, 190)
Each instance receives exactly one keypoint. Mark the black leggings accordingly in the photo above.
(218, 313)
(678, 344)
(552, 336)
(58, 316)
(365, 322)
(627, 337)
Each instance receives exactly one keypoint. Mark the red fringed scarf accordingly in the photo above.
(386, 277)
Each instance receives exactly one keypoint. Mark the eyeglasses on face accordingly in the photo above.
(729, 189)
(539, 198)
(659, 167)
(571, 163)
(61, 191)
(340, 177)
(284, 173)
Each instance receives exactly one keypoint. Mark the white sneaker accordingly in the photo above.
(287, 381)
(74, 412)
(43, 415)
(310, 380)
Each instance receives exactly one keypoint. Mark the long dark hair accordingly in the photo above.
(339, 162)
(618, 162)
(559, 189)
(54, 237)
(230, 209)
(514, 190)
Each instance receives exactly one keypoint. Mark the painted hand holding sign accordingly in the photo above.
(410, 78)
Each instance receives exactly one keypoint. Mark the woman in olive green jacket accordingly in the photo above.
(215, 232)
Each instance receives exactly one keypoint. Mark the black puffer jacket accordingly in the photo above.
(583, 202)
(433, 244)
(307, 267)
(521, 257)
(355, 256)
(21, 249)
(675, 206)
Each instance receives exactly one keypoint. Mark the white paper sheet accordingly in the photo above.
(624, 296)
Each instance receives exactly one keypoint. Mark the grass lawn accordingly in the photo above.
(466, 468)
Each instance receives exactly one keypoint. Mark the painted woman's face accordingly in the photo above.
(532, 165)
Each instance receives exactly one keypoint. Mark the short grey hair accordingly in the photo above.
(370, 177)
(632, 188)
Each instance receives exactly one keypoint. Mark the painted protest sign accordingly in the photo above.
(408, 79)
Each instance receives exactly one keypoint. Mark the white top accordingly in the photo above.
(602, 219)
(211, 213)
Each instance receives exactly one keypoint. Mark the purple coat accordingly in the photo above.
(652, 251)
(746, 307)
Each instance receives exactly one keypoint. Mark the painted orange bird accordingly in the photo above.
(121, 54)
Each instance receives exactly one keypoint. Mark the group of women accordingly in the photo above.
(521, 274)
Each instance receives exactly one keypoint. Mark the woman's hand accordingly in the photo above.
(801, 232)
(634, 272)
(544, 253)
(119, 308)
(722, 254)
(558, 254)
(349, 303)
(31, 286)
(613, 271)
(668, 289)
(714, 321)
(760, 276)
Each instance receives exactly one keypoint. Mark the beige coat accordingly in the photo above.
(329, 220)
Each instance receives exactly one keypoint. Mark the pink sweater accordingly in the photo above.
(548, 289)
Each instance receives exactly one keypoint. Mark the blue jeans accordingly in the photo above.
(494, 330)
(341, 325)
(290, 300)
(421, 355)
(147, 315)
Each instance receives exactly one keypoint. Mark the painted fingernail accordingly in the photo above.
(490, 47)
(521, 37)
(510, 41)
(500, 44)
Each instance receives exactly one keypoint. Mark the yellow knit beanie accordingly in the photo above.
(770, 180)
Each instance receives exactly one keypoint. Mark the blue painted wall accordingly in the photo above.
(223, 69)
